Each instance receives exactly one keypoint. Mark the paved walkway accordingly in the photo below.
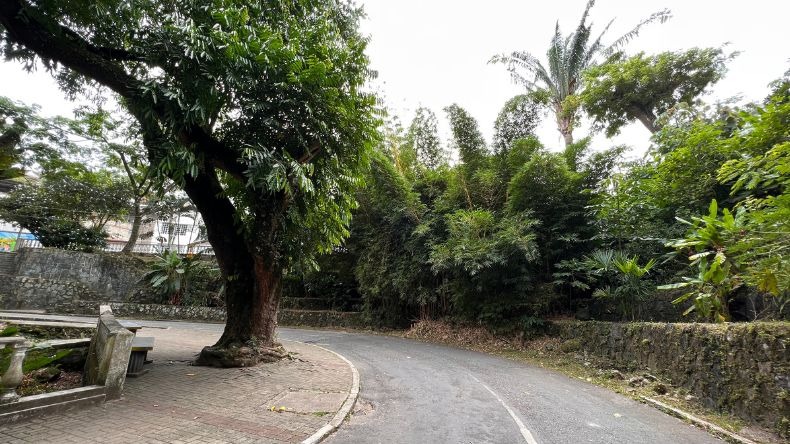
(177, 403)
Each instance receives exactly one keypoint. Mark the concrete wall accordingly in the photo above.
(742, 368)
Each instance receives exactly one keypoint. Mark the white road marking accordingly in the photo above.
(521, 427)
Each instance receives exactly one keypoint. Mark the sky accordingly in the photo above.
(434, 52)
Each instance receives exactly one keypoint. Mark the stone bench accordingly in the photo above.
(139, 357)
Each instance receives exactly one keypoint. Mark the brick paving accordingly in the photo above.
(178, 403)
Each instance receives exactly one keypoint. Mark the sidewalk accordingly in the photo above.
(177, 403)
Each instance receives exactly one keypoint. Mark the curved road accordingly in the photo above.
(415, 392)
(426, 393)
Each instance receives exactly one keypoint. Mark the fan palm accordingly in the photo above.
(567, 57)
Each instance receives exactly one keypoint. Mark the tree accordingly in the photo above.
(68, 208)
(567, 57)
(13, 124)
(467, 138)
(517, 120)
(551, 192)
(391, 258)
(256, 109)
(644, 87)
(422, 139)
(486, 259)
(26, 138)
(119, 141)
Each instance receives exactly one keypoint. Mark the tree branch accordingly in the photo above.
(220, 156)
(64, 46)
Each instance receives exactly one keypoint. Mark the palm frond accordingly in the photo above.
(529, 63)
(659, 16)
(577, 44)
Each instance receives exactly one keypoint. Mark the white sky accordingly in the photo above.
(435, 52)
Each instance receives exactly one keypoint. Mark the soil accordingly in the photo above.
(66, 380)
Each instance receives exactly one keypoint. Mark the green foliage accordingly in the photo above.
(486, 261)
(477, 241)
(624, 280)
(422, 139)
(552, 193)
(9, 330)
(68, 208)
(517, 120)
(467, 139)
(717, 276)
(391, 252)
(748, 246)
(644, 87)
(263, 100)
(14, 123)
(766, 239)
(560, 80)
(172, 276)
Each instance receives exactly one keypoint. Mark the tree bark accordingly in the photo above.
(252, 279)
(252, 300)
(648, 119)
(135, 232)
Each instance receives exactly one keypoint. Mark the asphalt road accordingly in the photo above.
(414, 392)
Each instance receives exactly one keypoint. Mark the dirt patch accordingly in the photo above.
(33, 385)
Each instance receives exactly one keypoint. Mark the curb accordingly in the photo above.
(345, 408)
(713, 429)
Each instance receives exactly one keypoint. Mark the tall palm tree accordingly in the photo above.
(568, 56)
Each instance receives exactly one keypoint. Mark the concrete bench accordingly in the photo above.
(140, 348)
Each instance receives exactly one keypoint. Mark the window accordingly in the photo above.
(176, 229)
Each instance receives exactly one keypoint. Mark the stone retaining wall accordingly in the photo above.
(310, 318)
(46, 277)
(22, 292)
(743, 368)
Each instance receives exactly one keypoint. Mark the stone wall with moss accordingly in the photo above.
(309, 318)
(740, 368)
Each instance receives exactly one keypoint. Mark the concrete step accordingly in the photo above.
(30, 312)
(47, 323)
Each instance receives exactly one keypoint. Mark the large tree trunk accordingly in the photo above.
(135, 233)
(252, 301)
(252, 279)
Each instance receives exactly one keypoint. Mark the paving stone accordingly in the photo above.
(178, 403)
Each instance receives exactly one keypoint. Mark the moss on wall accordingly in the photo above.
(742, 368)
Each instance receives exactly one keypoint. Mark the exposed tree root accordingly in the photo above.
(239, 354)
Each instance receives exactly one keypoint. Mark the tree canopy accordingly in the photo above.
(644, 87)
(257, 110)
(558, 82)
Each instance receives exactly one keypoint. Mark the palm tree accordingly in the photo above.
(568, 56)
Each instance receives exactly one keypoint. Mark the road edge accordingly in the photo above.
(711, 428)
(345, 408)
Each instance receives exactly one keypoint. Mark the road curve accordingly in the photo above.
(427, 393)
(418, 392)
